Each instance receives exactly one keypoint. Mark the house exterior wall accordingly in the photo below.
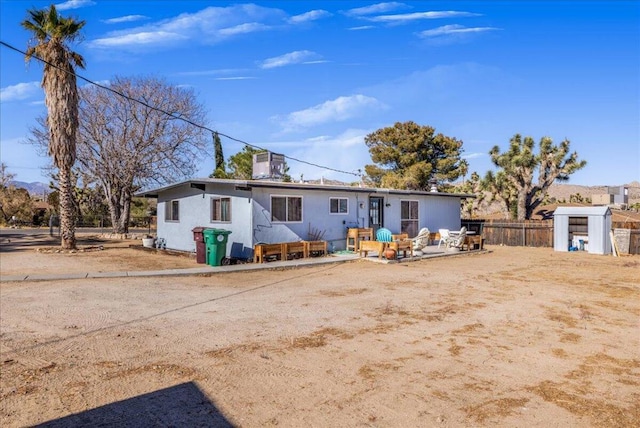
(442, 213)
(195, 211)
(434, 212)
(316, 216)
(251, 220)
(601, 199)
(622, 196)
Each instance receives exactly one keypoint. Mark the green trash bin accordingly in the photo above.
(216, 242)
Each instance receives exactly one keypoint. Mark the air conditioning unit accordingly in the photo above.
(268, 166)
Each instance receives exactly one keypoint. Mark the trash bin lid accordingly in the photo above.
(222, 232)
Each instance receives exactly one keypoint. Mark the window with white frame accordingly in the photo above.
(409, 217)
(221, 209)
(286, 209)
(338, 206)
(172, 210)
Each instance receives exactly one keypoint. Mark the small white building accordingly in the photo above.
(586, 228)
(264, 211)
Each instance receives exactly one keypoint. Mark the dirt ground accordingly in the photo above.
(516, 337)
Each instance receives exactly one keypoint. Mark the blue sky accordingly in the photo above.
(310, 79)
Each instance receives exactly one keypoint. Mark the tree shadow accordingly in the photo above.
(17, 241)
(180, 405)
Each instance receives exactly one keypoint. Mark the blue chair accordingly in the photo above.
(384, 235)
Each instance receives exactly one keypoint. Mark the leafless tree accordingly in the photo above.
(126, 145)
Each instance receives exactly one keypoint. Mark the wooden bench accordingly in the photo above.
(295, 250)
(263, 251)
(402, 245)
(470, 241)
(355, 235)
(316, 248)
(366, 246)
(288, 250)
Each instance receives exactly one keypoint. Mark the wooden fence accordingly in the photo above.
(535, 233)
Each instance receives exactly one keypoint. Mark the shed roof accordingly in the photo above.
(582, 211)
(248, 184)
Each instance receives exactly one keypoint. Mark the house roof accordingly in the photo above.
(582, 211)
(248, 184)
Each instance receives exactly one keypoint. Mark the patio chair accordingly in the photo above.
(444, 235)
(384, 235)
(456, 239)
(421, 240)
(383, 238)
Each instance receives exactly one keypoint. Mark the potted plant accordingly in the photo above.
(148, 241)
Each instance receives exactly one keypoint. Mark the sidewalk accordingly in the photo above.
(200, 270)
(206, 270)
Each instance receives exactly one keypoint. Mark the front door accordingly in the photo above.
(376, 213)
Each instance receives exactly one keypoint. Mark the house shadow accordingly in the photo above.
(183, 405)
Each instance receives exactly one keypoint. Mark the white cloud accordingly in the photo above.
(322, 150)
(295, 57)
(337, 110)
(376, 8)
(236, 78)
(128, 18)
(20, 91)
(362, 27)
(207, 26)
(455, 29)
(309, 16)
(317, 61)
(473, 155)
(249, 27)
(406, 17)
(139, 39)
(74, 4)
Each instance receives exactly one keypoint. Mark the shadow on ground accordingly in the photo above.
(14, 242)
(183, 405)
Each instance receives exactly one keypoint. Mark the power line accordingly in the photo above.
(91, 82)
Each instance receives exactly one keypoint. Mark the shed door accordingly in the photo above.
(376, 213)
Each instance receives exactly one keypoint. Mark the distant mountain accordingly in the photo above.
(35, 188)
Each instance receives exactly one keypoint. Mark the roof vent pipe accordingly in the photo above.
(434, 185)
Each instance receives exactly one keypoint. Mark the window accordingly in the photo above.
(221, 209)
(286, 208)
(338, 206)
(409, 217)
(172, 211)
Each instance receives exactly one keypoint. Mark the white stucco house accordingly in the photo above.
(264, 211)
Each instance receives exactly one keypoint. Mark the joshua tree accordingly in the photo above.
(51, 33)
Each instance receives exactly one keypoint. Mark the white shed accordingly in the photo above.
(582, 228)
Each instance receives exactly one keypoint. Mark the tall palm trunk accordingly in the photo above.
(61, 98)
(51, 31)
(67, 209)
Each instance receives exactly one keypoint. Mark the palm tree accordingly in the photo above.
(51, 33)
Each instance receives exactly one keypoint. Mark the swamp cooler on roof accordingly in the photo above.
(269, 166)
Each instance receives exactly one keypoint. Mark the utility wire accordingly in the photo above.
(91, 82)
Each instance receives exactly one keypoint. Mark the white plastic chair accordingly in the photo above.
(421, 240)
(456, 240)
(444, 235)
